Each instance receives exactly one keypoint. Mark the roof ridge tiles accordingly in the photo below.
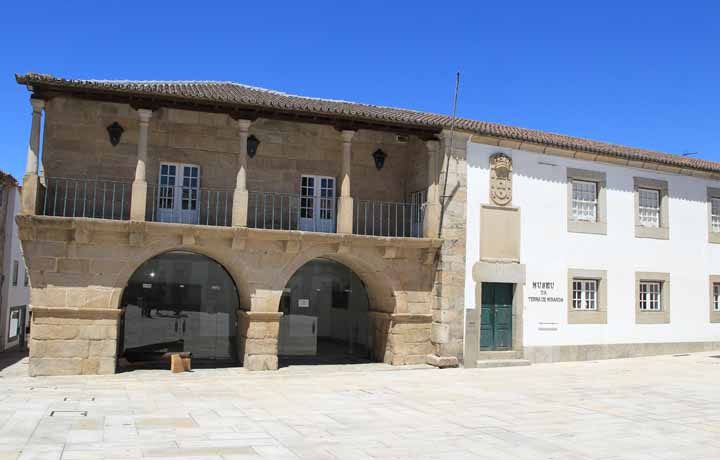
(241, 94)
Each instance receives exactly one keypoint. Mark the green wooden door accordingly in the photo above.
(496, 316)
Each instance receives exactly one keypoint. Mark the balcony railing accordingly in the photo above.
(384, 218)
(187, 205)
(109, 199)
(81, 197)
(277, 211)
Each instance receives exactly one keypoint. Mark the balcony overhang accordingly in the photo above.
(137, 234)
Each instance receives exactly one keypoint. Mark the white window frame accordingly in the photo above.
(652, 220)
(585, 294)
(578, 203)
(649, 216)
(715, 214)
(713, 210)
(580, 222)
(650, 296)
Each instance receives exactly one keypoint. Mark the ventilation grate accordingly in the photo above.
(68, 413)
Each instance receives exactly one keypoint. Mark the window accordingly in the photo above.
(584, 201)
(650, 296)
(587, 208)
(713, 198)
(584, 294)
(27, 280)
(652, 205)
(649, 210)
(587, 296)
(16, 267)
(715, 214)
(714, 298)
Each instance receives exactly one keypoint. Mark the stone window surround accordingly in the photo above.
(653, 317)
(663, 231)
(713, 237)
(598, 316)
(714, 314)
(599, 227)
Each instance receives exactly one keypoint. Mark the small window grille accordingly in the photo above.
(715, 214)
(716, 296)
(649, 211)
(584, 201)
(584, 294)
(650, 296)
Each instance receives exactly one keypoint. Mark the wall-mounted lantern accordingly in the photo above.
(252, 145)
(379, 157)
(115, 132)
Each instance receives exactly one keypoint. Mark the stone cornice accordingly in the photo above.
(587, 156)
(82, 230)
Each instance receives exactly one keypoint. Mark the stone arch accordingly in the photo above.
(385, 290)
(186, 296)
(381, 283)
(228, 259)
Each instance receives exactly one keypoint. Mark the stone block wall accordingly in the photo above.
(449, 303)
(70, 341)
(76, 145)
(79, 268)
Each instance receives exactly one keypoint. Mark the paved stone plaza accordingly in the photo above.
(664, 407)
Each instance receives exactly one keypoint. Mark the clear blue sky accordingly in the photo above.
(642, 73)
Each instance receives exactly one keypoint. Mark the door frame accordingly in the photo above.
(494, 326)
(317, 203)
(177, 213)
(491, 272)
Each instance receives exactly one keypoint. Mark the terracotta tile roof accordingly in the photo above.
(8, 179)
(243, 96)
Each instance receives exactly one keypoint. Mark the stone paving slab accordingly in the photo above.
(665, 407)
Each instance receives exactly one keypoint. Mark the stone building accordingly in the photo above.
(175, 216)
(256, 227)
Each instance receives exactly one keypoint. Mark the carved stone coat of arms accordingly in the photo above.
(501, 179)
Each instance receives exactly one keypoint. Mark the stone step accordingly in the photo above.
(488, 363)
(506, 354)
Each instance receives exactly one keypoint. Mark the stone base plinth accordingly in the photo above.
(258, 340)
(401, 338)
(70, 341)
(560, 353)
(442, 361)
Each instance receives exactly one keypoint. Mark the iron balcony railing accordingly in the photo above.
(285, 211)
(189, 205)
(81, 197)
(384, 218)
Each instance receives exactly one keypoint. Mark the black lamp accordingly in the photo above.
(379, 157)
(252, 145)
(115, 131)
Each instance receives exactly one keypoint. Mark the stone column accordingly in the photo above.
(240, 197)
(139, 187)
(30, 179)
(431, 220)
(345, 202)
(258, 336)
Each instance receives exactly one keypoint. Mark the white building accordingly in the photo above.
(14, 291)
(603, 259)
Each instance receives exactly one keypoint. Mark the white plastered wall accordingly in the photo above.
(548, 250)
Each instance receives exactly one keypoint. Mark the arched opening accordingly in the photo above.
(179, 301)
(325, 320)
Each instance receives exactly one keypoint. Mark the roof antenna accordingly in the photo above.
(448, 152)
(687, 154)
